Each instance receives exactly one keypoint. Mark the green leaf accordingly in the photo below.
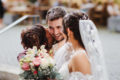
(27, 75)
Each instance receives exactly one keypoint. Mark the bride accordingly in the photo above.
(81, 57)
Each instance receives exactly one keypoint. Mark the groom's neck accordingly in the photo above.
(61, 43)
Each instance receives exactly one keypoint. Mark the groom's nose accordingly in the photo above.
(56, 31)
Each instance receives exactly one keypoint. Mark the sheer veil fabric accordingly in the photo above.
(94, 49)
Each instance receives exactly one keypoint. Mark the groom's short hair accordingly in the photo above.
(55, 13)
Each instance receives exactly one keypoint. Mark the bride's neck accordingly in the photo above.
(76, 44)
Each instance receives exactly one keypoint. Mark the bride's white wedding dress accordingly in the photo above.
(62, 57)
(94, 54)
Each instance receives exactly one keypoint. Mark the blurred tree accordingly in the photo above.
(117, 1)
(32, 1)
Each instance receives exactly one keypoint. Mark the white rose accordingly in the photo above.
(29, 56)
(30, 51)
(35, 48)
(51, 61)
(45, 55)
(42, 47)
(44, 63)
(43, 50)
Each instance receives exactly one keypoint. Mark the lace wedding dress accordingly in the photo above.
(94, 51)
(62, 57)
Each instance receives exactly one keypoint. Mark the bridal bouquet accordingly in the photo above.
(38, 65)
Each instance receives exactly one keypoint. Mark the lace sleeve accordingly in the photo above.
(73, 75)
(79, 76)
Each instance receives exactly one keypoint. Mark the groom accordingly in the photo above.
(54, 20)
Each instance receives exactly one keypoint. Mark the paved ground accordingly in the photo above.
(111, 45)
(10, 47)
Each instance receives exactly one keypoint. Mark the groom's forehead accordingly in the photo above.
(55, 23)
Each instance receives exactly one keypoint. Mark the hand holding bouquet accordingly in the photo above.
(38, 65)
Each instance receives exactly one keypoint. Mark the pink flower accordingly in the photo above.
(25, 66)
(41, 55)
(36, 61)
(21, 55)
(35, 72)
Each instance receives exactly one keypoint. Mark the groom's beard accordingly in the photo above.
(58, 41)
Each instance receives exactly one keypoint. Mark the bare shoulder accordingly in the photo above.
(80, 58)
(80, 63)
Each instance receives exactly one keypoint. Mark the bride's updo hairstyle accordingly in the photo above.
(71, 21)
(36, 36)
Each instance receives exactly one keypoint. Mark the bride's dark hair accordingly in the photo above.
(71, 21)
(36, 36)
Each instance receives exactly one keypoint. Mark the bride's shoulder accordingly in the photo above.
(79, 55)
(79, 61)
(80, 52)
